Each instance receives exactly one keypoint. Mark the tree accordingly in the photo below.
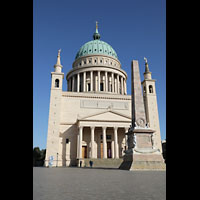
(38, 156)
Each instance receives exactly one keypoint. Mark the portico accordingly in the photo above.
(98, 138)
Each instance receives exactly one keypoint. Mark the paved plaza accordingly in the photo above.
(97, 184)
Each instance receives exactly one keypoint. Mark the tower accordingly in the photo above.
(151, 108)
(53, 139)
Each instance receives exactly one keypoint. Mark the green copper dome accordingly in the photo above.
(96, 46)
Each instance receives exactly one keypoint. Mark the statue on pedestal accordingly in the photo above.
(131, 140)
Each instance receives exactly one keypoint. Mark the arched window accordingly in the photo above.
(150, 89)
(57, 83)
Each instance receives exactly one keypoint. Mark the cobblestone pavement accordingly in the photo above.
(97, 184)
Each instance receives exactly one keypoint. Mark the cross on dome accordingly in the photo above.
(96, 25)
(96, 35)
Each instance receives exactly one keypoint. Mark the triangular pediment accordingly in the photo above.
(108, 115)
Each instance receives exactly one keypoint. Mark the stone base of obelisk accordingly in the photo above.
(143, 159)
(144, 156)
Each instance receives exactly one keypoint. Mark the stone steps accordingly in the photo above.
(118, 163)
(103, 163)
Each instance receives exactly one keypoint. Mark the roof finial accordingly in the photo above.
(145, 60)
(58, 57)
(59, 52)
(96, 25)
(146, 65)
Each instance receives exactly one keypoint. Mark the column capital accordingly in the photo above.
(115, 128)
(104, 127)
(92, 127)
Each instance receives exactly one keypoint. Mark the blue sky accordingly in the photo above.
(134, 28)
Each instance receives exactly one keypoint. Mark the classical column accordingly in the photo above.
(78, 145)
(122, 85)
(125, 89)
(84, 78)
(70, 85)
(96, 83)
(73, 82)
(106, 81)
(98, 89)
(104, 143)
(92, 141)
(91, 81)
(116, 143)
(112, 75)
(109, 85)
(80, 141)
(117, 83)
(113, 149)
(78, 82)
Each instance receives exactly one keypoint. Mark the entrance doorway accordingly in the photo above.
(101, 150)
(109, 152)
(84, 151)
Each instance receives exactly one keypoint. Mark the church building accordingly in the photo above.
(90, 119)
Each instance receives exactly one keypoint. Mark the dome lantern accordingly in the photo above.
(96, 35)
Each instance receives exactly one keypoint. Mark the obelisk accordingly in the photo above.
(138, 112)
(141, 153)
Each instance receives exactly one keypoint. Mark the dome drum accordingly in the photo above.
(96, 60)
(98, 80)
(75, 71)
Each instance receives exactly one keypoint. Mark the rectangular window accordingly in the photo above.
(108, 137)
(101, 86)
(88, 87)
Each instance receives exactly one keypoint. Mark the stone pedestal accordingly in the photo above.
(143, 155)
(138, 160)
